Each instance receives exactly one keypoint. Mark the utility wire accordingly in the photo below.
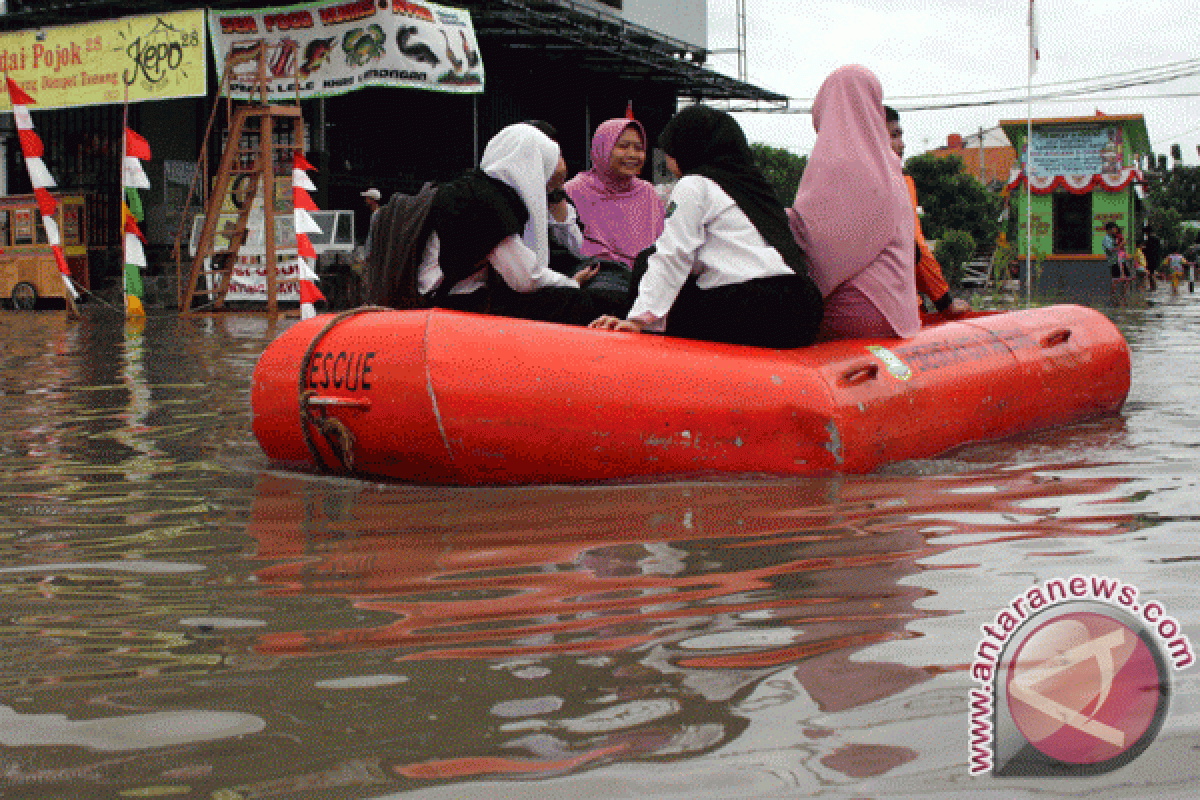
(1174, 137)
(1148, 76)
(1180, 66)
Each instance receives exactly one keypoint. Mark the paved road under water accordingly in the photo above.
(177, 619)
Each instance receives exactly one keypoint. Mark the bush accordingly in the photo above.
(782, 168)
(952, 199)
(953, 250)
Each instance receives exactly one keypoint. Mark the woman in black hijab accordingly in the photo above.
(726, 268)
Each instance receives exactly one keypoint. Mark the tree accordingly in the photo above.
(1172, 196)
(782, 169)
(954, 249)
(1168, 225)
(953, 199)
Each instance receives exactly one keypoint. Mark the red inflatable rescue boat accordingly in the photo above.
(438, 397)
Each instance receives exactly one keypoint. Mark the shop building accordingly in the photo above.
(572, 63)
(1085, 172)
(986, 155)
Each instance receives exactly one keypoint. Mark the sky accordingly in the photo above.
(967, 49)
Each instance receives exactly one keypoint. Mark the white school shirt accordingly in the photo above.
(708, 236)
(567, 233)
(515, 262)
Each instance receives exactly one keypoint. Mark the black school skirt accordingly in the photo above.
(781, 311)
(562, 305)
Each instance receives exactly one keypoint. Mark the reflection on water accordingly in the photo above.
(179, 619)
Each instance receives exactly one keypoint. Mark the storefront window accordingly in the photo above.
(1072, 223)
(23, 226)
(72, 233)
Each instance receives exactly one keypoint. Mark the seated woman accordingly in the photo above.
(496, 219)
(726, 268)
(566, 237)
(621, 214)
(853, 216)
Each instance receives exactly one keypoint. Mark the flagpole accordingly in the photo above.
(1029, 158)
(121, 199)
(1029, 193)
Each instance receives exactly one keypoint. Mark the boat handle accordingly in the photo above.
(361, 403)
(860, 374)
(1055, 338)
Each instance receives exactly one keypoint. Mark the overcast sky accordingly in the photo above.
(958, 47)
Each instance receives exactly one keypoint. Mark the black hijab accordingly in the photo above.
(704, 141)
(472, 214)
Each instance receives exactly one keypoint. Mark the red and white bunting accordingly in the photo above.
(307, 256)
(1078, 184)
(133, 237)
(39, 177)
(133, 176)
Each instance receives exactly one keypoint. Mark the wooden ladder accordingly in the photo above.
(261, 141)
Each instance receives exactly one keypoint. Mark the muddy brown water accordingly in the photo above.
(180, 619)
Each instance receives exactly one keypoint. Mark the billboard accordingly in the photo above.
(328, 48)
(153, 57)
(1077, 150)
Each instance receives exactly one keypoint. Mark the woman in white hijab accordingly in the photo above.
(496, 218)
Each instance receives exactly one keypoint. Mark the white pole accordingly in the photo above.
(121, 233)
(1029, 162)
(1029, 196)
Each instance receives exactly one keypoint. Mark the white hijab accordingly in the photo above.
(524, 158)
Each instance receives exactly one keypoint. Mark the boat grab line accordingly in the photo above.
(437, 414)
(337, 435)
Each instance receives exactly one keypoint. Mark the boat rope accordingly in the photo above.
(336, 434)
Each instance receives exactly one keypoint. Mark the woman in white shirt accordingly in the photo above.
(496, 219)
(726, 267)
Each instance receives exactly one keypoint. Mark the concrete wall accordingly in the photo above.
(1078, 278)
(686, 20)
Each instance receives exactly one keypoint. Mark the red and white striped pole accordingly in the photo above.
(40, 179)
(302, 203)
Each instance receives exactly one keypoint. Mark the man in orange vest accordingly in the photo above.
(930, 281)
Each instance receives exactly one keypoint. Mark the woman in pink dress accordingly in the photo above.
(853, 216)
(621, 214)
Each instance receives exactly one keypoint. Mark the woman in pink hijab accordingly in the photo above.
(852, 215)
(620, 213)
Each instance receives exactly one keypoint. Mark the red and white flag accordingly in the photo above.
(1034, 55)
(39, 177)
(306, 257)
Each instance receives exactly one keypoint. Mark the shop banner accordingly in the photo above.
(1077, 151)
(249, 279)
(331, 48)
(155, 57)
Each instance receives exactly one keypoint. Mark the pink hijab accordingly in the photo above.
(620, 216)
(853, 216)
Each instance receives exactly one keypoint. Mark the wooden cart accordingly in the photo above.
(28, 272)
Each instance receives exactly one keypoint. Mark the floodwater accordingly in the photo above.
(178, 619)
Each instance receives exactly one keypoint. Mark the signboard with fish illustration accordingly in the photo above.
(331, 48)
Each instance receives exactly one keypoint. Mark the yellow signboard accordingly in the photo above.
(155, 57)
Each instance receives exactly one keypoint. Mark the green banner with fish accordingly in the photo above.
(330, 48)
